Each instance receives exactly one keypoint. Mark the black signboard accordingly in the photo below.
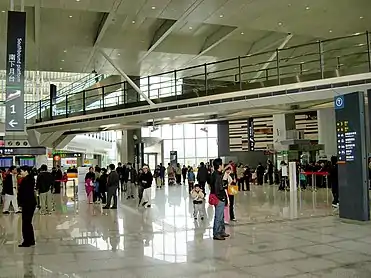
(173, 158)
(23, 151)
(352, 160)
(15, 64)
(250, 130)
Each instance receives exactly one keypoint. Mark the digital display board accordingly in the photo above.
(22, 151)
(6, 162)
(352, 159)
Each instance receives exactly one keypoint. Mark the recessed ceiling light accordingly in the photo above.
(62, 60)
(280, 23)
(361, 17)
(77, 0)
(242, 33)
(3, 11)
(307, 8)
(65, 51)
(153, 8)
(118, 54)
(70, 16)
(60, 68)
(133, 22)
(330, 31)
(190, 27)
(221, 16)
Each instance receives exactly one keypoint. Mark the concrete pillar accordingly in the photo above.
(281, 124)
(125, 144)
(327, 131)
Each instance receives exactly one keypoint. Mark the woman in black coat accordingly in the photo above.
(103, 185)
(27, 200)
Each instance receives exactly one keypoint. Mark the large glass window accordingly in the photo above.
(192, 144)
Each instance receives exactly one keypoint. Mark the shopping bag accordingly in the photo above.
(226, 214)
(232, 189)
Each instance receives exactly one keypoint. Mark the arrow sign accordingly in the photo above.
(13, 123)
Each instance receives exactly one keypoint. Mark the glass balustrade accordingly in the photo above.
(313, 61)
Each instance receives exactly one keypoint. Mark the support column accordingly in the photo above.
(125, 144)
(327, 131)
(281, 124)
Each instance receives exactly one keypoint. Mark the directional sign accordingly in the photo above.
(339, 102)
(15, 67)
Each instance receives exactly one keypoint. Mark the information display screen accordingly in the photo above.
(6, 162)
(27, 161)
(352, 162)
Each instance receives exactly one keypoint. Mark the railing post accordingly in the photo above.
(278, 67)
(206, 85)
(175, 82)
(239, 72)
(149, 87)
(40, 117)
(51, 108)
(66, 106)
(368, 50)
(321, 59)
(83, 102)
(103, 96)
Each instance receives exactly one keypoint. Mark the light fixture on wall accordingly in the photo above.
(204, 129)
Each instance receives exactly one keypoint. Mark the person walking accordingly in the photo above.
(218, 190)
(145, 180)
(178, 174)
(202, 176)
(130, 178)
(103, 185)
(113, 182)
(162, 174)
(10, 191)
(184, 174)
(44, 184)
(27, 201)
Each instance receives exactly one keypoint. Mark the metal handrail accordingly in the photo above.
(226, 74)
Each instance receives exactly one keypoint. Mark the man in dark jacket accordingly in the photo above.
(217, 188)
(10, 190)
(44, 185)
(130, 179)
(202, 176)
(260, 173)
(145, 180)
(334, 181)
(113, 182)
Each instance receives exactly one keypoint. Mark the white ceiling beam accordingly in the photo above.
(214, 40)
(127, 78)
(165, 34)
(107, 20)
(273, 56)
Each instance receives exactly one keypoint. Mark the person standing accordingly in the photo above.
(113, 182)
(28, 202)
(162, 174)
(10, 191)
(44, 184)
(202, 176)
(146, 179)
(247, 177)
(217, 188)
(178, 174)
(240, 177)
(334, 181)
(260, 173)
(130, 178)
(270, 170)
(184, 173)
(89, 184)
(120, 171)
(103, 186)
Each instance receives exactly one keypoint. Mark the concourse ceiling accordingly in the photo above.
(145, 37)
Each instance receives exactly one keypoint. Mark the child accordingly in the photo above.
(191, 180)
(198, 201)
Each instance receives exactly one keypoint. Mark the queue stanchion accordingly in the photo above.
(74, 190)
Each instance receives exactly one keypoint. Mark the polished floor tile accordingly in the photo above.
(278, 234)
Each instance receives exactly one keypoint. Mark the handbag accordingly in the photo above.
(232, 189)
(213, 200)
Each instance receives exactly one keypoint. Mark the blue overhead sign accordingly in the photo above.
(339, 102)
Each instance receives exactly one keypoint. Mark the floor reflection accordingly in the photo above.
(83, 240)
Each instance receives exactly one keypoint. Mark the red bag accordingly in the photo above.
(213, 200)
